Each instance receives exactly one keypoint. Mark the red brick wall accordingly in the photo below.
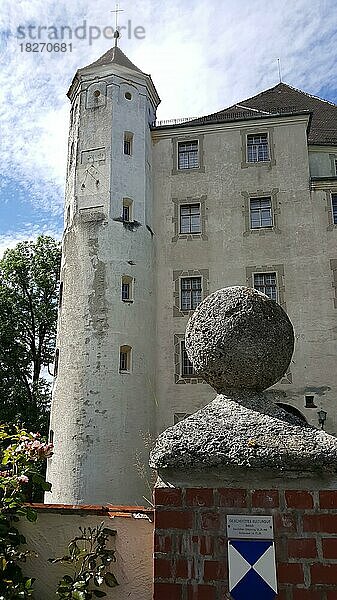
(190, 545)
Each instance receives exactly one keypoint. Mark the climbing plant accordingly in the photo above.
(90, 560)
(21, 453)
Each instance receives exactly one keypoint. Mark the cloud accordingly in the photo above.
(202, 55)
(30, 232)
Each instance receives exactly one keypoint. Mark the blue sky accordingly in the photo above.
(203, 55)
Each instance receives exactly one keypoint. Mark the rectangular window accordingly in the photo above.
(126, 213)
(190, 292)
(334, 208)
(190, 221)
(188, 155)
(260, 213)
(128, 139)
(266, 283)
(186, 365)
(127, 291)
(257, 147)
(125, 359)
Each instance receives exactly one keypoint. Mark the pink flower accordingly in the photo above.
(23, 479)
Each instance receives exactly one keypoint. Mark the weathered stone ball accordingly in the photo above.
(238, 338)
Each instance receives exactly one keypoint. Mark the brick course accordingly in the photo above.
(190, 560)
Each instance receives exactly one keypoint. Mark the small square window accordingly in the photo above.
(260, 213)
(190, 219)
(266, 283)
(190, 292)
(186, 365)
(188, 155)
(310, 402)
(258, 148)
(334, 208)
(128, 143)
(125, 359)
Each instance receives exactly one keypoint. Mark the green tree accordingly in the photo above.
(29, 284)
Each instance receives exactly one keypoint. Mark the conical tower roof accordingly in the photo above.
(114, 56)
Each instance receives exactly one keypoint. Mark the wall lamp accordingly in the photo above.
(322, 417)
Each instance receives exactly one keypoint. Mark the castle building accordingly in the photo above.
(157, 216)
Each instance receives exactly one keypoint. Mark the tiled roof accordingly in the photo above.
(285, 99)
(114, 56)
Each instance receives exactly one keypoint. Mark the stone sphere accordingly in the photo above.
(238, 339)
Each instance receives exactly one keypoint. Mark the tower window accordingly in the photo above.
(128, 96)
(334, 208)
(188, 155)
(257, 147)
(266, 283)
(310, 402)
(128, 143)
(260, 213)
(125, 359)
(127, 288)
(190, 292)
(186, 365)
(190, 221)
(127, 209)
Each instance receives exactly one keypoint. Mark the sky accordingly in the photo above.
(203, 55)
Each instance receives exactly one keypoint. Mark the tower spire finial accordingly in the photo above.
(117, 33)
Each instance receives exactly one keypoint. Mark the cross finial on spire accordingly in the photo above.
(116, 11)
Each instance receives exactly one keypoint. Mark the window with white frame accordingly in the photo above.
(260, 213)
(190, 218)
(186, 365)
(125, 359)
(190, 292)
(188, 155)
(334, 208)
(267, 284)
(258, 147)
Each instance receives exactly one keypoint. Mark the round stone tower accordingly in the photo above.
(103, 403)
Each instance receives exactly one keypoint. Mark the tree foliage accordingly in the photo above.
(29, 282)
